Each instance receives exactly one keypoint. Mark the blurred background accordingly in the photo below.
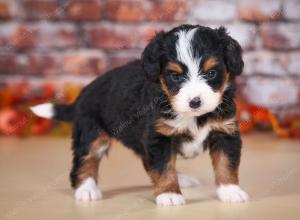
(49, 49)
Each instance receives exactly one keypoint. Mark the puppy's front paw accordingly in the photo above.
(169, 199)
(186, 181)
(232, 193)
(88, 191)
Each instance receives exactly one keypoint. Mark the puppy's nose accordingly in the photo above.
(195, 102)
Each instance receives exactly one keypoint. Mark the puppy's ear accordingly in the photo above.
(151, 57)
(232, 53)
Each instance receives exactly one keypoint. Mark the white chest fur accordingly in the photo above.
(194, 147)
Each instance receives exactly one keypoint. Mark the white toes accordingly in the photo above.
(88, 191)
(232, 193)
(186, 181)
(169, 199)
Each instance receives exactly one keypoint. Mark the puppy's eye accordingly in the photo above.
(176, 77)
(211, 74)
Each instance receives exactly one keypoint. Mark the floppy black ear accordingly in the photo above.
(232, 53)
(151, 57)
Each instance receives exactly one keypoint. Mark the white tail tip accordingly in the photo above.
(45, 110)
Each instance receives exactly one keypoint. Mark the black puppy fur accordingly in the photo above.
(126, 103)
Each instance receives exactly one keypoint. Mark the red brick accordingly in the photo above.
(43, 35)
(167, 10)
(41, 64)
(121, 58)
(108, 36)
(260, 10)
(281, 36)
(84, 62)
(271, 92)
(266, 63)
(7, 64)
(245, 34)
(149, 33)
(5, 9)
(80, 10)
(60, 35)
(41, 9)
(291, 10)
(23, 37)
(125, 10)
(214, 11)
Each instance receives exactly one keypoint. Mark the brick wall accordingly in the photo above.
(79, 39)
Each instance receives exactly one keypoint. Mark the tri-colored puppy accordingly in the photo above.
(177, 99)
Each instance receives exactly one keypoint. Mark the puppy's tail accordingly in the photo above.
(59, 112)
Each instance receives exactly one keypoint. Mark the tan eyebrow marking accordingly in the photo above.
(175, 67)
(209, 63)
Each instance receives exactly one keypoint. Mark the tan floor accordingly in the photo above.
(34, 184)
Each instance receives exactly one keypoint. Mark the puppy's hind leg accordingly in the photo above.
(90, 143)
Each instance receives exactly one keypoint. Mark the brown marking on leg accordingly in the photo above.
(175, 67)
(163, 128)
(227, 126)
(90, 162)
(223, 172)
(209, 63)
(165, 181)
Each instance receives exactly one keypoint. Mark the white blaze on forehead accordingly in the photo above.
(184, 50)
(195, 85)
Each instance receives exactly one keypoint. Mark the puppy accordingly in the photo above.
(177, 99)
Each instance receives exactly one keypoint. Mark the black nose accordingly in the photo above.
(195, 102)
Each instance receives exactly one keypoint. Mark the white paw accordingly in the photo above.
(88, 191)
(186, 181)
(231, 193)
(169, 199)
